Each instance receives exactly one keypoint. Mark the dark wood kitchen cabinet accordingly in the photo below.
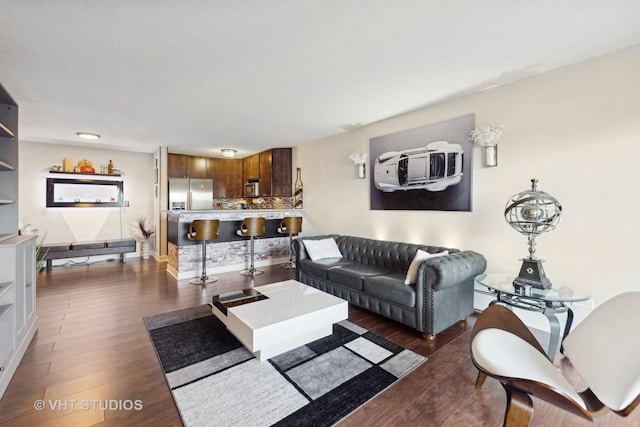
(281, 172)
(272, 168)
(233, 178)
(251, 167)
(275, 172)
(177, 166)
(265, 173)
(182, 166)
(197, 167)
(227, 177)
(216, 173)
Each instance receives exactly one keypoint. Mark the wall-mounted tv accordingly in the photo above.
(83, 193)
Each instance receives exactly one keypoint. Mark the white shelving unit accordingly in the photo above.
(18, 319)
(17, 253)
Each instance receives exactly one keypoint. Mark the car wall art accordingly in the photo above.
(427, 168)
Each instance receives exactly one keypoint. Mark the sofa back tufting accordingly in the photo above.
(394, 256)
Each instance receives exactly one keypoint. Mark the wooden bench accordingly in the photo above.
(52, 251)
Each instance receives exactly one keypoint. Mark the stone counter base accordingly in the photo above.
(186, 261)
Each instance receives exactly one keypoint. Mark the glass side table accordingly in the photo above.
(546, 301)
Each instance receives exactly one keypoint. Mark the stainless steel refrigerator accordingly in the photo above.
(190, 194)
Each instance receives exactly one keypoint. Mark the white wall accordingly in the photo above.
(65, 225)
(576, 129)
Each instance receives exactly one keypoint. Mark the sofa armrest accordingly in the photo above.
(444, 289)
(450, 270)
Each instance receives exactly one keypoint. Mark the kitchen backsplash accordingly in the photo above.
(254, 203)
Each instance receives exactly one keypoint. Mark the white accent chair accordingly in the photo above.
(604, 349)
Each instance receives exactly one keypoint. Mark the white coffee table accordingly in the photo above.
(291, 315)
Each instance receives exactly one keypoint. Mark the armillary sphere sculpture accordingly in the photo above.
(532, 212)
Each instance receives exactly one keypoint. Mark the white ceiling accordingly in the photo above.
(198, 76)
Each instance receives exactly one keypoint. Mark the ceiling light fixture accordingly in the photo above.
(351, 126)
(88, 135)
(228, 152)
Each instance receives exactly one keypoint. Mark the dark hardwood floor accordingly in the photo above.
(92, 349)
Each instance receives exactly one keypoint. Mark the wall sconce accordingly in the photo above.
(491, 155)
(488, 138)
(359, 159)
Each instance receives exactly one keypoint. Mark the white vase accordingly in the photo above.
(144, 249)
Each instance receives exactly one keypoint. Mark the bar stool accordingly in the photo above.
(290, 225)
(251, 227)
(203, 230)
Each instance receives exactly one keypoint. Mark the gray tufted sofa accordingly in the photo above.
(371, 275)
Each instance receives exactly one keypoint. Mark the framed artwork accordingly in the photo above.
(427, 168)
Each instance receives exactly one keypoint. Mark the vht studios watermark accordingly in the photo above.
(88, 405)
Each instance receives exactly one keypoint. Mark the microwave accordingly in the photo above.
(252, 189)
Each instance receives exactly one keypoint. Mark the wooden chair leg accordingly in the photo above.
(480, 379)
(519, 408)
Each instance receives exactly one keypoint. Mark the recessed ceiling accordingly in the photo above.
(198, 76)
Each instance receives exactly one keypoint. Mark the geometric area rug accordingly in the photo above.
(216, 381)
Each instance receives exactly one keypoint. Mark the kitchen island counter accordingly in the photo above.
(224, 214)
(229, 252)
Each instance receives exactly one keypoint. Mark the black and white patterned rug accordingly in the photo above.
(216, 381)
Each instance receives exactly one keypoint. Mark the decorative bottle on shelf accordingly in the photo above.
(110, 167)
(297, 195)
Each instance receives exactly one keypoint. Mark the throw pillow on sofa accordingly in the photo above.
(412, 273)
(321, 249)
